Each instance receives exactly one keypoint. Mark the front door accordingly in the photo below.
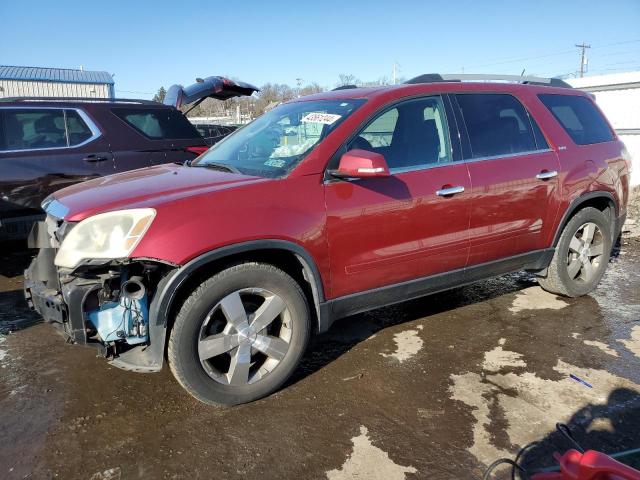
(384, 231)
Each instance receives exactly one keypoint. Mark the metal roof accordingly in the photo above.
(63, 75)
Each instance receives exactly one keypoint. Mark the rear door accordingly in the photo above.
(514, 175)
(45, 149)
(155, 135)
(384, 231)
(219, 88)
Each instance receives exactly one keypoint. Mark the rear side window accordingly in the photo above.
(158, 123)
(497, 124)
(579, 117)
(27, 129)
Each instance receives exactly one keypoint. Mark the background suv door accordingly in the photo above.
(384, 231)
(46, 149)
(514, 176)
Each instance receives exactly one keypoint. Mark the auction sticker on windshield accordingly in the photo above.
(325, 118)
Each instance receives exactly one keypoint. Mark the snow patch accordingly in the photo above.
(408, 343)
(535, 298)
(633, 344)
(521, 397)
(370, 462)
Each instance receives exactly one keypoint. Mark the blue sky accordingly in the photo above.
(148, 44)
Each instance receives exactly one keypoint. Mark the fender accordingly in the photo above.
(576, 203)
(150, 358)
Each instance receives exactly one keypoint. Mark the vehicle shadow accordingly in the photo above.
(610, 428)
(348, 332)
(14, 313)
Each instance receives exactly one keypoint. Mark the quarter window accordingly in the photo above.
(77, 130)
(579, 117)
(410, 135)
(158, 123)
(497, 124)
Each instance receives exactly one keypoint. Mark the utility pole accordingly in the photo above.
(395, 72)
(583, 59)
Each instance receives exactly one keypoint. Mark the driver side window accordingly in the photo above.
(411, 135)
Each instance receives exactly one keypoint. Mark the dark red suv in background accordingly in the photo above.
(326, 206)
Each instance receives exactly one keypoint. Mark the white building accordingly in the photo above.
(54, 82)
(618, 95)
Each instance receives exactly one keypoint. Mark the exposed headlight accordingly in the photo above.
(105, 236)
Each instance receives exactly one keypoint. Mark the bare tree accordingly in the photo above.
(347, 79)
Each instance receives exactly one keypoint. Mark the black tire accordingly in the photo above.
(558, 279)
(186, 334)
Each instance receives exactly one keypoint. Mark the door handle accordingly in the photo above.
(94, 159)
(546, 175)
(445, 192)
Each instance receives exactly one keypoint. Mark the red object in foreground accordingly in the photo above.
(590, 465)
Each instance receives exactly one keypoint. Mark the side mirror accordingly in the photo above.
(361, 164)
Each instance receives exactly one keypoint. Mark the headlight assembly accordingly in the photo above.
(105, 236)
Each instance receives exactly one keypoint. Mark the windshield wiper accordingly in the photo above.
(217, 166)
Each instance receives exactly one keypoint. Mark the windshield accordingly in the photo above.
(274, 143)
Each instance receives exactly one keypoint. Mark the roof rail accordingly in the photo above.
(436, 77)
(79, 99)
(344, 87)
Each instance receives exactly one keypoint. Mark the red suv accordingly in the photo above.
(326, 206)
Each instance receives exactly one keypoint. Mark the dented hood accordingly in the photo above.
(220, 88)
(147, 187)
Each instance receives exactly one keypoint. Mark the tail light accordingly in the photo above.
(198, 149)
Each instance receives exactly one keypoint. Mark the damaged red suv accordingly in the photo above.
(326, 206)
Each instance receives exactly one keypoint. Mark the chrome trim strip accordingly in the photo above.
(508, 155)
(95, 131)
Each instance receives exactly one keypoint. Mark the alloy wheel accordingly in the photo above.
(245, 336)
(586, 250)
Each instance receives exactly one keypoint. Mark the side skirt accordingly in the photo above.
(363, 301)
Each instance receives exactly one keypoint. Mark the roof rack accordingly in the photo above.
(79, 99)
(344, 87)
(436, 77)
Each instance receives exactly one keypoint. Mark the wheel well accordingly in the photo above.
(601, 202)
(285, 260)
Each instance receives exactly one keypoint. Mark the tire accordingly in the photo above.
(251, 356)
(570, 254)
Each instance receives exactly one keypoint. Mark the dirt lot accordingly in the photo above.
(434, 388)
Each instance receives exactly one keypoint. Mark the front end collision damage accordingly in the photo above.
(100, 304)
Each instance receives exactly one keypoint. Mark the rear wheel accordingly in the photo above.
(581, 256)
(239, 335)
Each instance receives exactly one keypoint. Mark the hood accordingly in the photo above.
(147, 187)
(220, 88)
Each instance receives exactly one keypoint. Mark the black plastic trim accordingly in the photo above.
(575, 205)
(401, 292)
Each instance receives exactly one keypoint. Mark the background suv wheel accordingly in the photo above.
(239, 335)
(581, 256)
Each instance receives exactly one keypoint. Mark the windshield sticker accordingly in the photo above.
(274, 162)
(324, 118)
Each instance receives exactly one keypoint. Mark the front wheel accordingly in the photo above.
(581, 256)
(239, 335)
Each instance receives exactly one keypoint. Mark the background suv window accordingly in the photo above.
(579, 117)
(497, 124)
(158, 123)
(77, 130)
(410, 135)
(27, 129)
